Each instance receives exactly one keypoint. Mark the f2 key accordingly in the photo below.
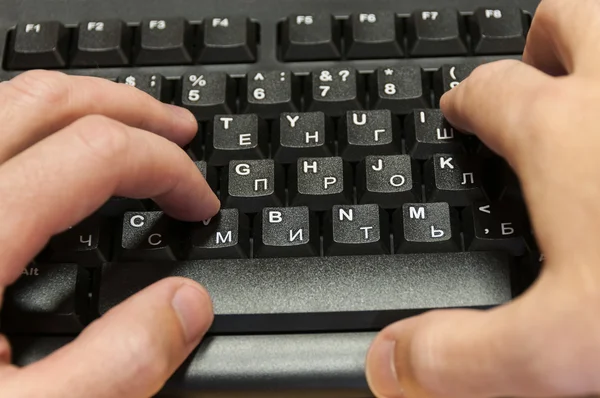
(102, 43)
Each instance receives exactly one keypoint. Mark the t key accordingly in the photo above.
(377, 35)
(365, 133)
(155, 85)
(148, 236)
(298, 135)
(225, 235)
(102, 43)
(227, 40)
(334, 91)
(427, 132)
(399, 89)
(207, 94)
(498, 30)
(436, 33)
(455, 179)
(164, 42)
(310, 38)
(270, 93)
(426, 228)
(286, 232)
(38, 45)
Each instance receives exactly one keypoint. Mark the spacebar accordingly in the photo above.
(351, 293)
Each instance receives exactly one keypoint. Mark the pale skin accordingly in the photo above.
(75, 141)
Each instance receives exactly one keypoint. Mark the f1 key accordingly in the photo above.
(38, 45)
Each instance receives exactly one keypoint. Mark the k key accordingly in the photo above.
(36, 45)
(455, 179)
(163, 42)
(270, 93)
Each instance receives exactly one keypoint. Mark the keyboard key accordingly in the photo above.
(501, 181)
(334, 91)
(364, 133)
(358, 229)
(286, 232)
(155, 85)
(455, 179)
(102, 43)
(38, 45)
(148, 236)
(270, 93)
(450, 76)
(427, 132)
(320, 183)
(377, 35)
(87, 243)
(297, 135)
(500, 30)
(47, 298)
(225, 235)
(389, 181)
(227, 40)
(163, 42)
(426, 228)
(400, 89)
(436, 33)
(209, 173)
(207, 94)
(251, 185)
(310, 38)
(235, 137)
(495, 226)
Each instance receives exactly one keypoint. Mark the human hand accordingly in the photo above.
(547, 342)
(68, 144)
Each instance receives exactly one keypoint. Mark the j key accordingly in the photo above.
(227, 40)
(498, 30)
(436, 33)
(207, 94)
(87, 244)
(450, 76)
(148, 236)
(163, 42)
(155, 85)
(251, 185)
(320, 183)
(364, 133)
(377, 35)
(426, 228)
(270, 93)
(102, 43)
(310, 38)
(38, 45)
(455, 179)
(297, 135)
(358, 229)
(334, 91)
(209, 173)
(495, 226)
(236, 137)
(399, 89)
(225, 235)
(427, 132)
(118, 205)
(47, 298)
(389, 181)
(286, 232)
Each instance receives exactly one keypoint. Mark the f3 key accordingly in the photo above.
(164, 42)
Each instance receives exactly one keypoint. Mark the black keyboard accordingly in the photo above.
(349, 202)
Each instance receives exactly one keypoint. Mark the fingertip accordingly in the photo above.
(185, 121)
(193, 307)
(381, 373)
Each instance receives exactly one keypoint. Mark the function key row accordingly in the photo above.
(432, 32)
(112, 43)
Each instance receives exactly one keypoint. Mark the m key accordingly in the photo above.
(286, 232)
(225, 235)
(38, 45)
(426, 228)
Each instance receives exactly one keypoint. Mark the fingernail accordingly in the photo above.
(190, 303)
(182, 113)
(381, 370)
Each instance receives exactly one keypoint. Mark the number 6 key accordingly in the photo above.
(270, 93)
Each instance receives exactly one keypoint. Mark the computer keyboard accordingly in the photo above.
(349, 202)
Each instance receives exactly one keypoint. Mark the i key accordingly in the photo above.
(320, 183)
(450, 76)
(399, 89)
(427, 132)
(270, 93)
(235, 137)
(426, 228)
(498, 30)
(297, 135)
(227, 40)
(376, 35)
(148, 236)
(436, 33)
(38, 45)
(495, 226)
(225, 235)
(455, 179)
(155, 85)
(163, 42)
(251, 185)
(358, 229)
(334, 91)
(389, 181)
(286, 232)
(101, 43)
(310, 38)
(364, 133)
(207, 94)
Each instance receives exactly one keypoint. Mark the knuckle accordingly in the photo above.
(41, 86)
(101, 136)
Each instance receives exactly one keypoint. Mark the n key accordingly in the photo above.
(164, 42)
(297, 135)
(102, 43)
(426, 228)
(38, 45)
(207, 94)
(148, 236)
(225, 235)
(334, 91)
(368, 133)
(427, 132)
(286, 232)
(455, 179)
(270, 93)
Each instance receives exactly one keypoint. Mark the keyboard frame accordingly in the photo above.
(325, 364)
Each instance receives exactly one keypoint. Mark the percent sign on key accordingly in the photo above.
(198, 81)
